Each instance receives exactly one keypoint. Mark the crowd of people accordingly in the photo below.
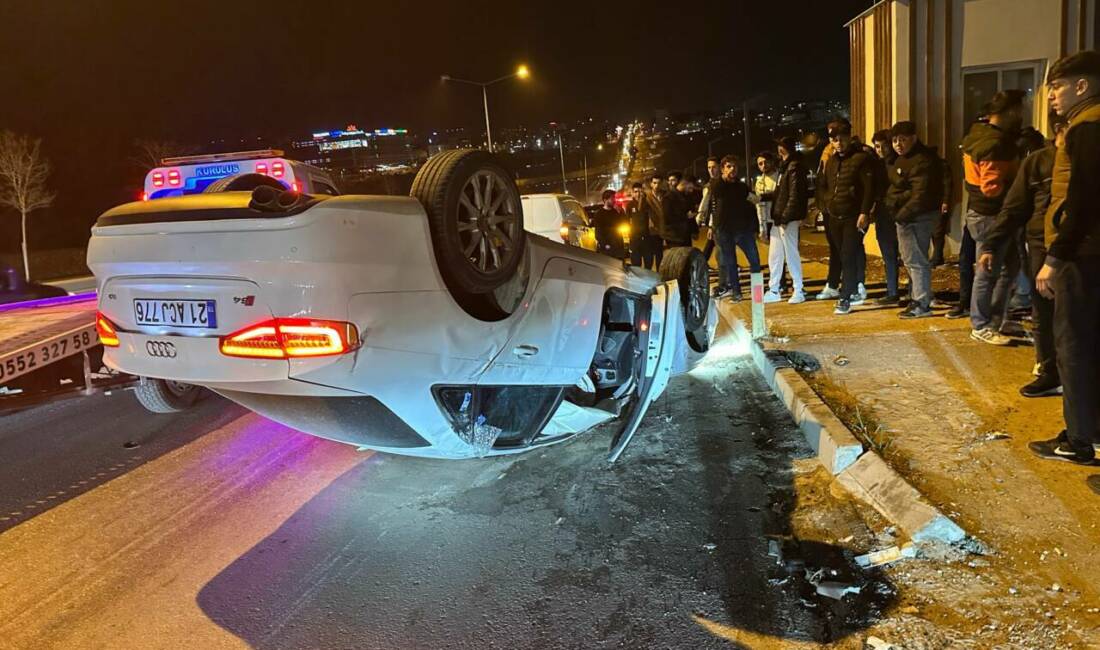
(1031, 230)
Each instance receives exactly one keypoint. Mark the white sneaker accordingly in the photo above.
(862, 291)
(797, 297)
(828, 293)
(770, 296)
(989, 336)
(856, 300)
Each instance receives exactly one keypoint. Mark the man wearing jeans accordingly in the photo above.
(914, 199)
(846, 189)
(990, 161)
(886, 231)
(734, 224)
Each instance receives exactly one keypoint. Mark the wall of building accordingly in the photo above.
(1001, 31)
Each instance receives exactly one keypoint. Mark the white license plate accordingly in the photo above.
(175, 313)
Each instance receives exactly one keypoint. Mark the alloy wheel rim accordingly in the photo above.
(488, 220)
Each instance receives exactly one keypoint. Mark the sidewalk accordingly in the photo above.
(944, 412)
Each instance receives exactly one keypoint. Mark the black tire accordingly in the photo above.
(162, 396)
(477, 246)
(688, 267)
(243, 183)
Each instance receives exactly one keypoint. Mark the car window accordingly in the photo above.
(325, 188)
(573, 212)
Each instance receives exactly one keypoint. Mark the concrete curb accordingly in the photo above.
(863, 473)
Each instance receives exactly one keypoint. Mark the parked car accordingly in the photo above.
(431, 325)
(558, 217)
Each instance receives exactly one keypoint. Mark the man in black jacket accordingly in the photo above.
(787, 213)
(675, 208)
(1026, 206)
(607, 220)
(652, 213)
(1071, 272)
(914, 198)
(734, 225)
(640, 255)
(846, 189)
(886, 231)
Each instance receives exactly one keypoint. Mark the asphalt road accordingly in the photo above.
(221, 529)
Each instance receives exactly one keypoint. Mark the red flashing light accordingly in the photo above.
(158, 179)
(108, 335)
(296, 186)
(261, 168)
(174, 177)
(277, 169)
(144, 196)
(285, 338)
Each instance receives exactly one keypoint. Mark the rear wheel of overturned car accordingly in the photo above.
(476, 223)
(688, 267)
(165, 396)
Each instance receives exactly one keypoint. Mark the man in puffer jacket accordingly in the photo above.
(914, 198)
(990, 161)
(787, 213)
(846, 189)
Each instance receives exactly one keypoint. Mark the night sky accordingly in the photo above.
(90, 77)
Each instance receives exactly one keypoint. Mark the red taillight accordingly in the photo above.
(158, 179)
(174, 177)
(108, 336)
(296, 186)
(285, 338)
(261, 168)
(144, 196)
(277, 169)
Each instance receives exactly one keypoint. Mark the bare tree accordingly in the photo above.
(150, 152)
(23, 173)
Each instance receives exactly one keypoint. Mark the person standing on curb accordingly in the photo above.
(990, 160)
(763, 192)
(640, 255)
(886, 231)
(606, 221)
(787, 212)
(847, 190)
(675, 208)
(1026, 205)
(914, 199)
(703, 212)
(1071, 273)
(654, 245)
(734, 225)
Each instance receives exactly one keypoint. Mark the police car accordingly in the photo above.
(184, 175)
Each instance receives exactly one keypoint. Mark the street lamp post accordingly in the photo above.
(522, 72)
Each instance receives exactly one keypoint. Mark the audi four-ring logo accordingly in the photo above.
(162, 349)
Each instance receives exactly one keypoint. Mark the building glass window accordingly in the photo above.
(980, 84)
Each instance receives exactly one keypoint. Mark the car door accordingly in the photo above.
(661, 339)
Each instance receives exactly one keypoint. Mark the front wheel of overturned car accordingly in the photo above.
(165, 396)
(476, 223)
(688, 267)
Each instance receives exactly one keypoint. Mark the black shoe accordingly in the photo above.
(1094, 483)
(915, 311)
(1043, 386)
(1059, 449)
(887, 301)
(843, 307)
(957, 313)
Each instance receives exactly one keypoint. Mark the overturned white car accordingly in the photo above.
(430, 325)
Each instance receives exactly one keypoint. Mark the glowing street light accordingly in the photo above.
(522, 72)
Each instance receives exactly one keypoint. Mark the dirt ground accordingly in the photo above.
(944, 411)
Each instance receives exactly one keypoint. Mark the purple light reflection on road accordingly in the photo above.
(47, 302)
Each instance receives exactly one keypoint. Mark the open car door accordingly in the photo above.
(660, 341)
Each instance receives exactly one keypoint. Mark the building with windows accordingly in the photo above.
(353, 151)
(938, 62)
